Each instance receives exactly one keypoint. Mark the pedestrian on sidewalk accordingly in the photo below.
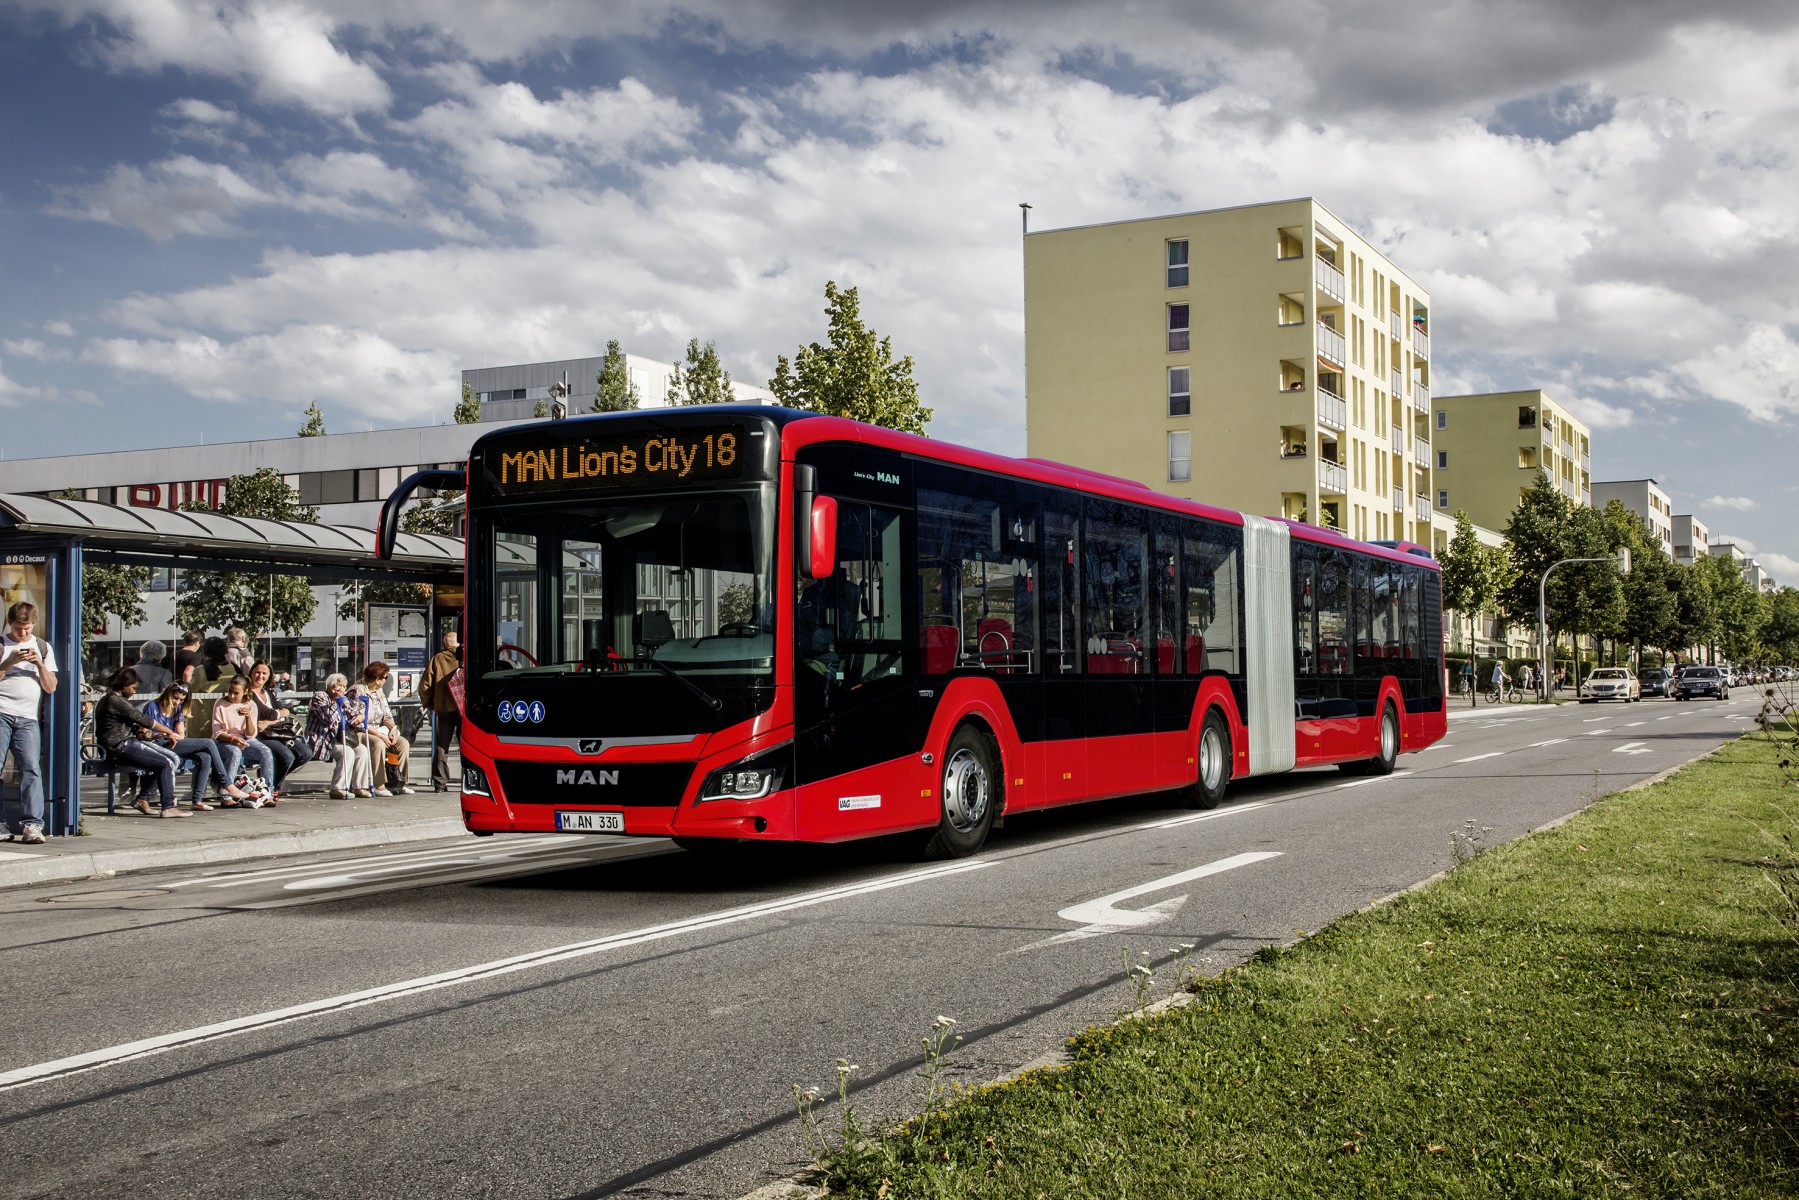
(117, 723)
(274, 728)
(234, 723)
(334, 731)
(27, 675)
(212, 759)
(440, 702)
(390, 754)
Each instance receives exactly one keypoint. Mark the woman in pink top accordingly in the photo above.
(234, 723)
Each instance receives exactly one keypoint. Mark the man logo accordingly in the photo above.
(588, 778)
(590, 745)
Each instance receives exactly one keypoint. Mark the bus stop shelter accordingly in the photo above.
(45, 542)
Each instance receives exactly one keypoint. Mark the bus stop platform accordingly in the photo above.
(307, 820)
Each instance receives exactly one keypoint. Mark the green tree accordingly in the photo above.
(541, 410)
(1474, 576)
(1780, 633)
(315, 422)
(854, 376)
(1536, 534)
(615, 391)
(468, 409)
(1587, 598)
(1651, 608)
(1740, 612)
(1695, 620)
(257, 602)
(109, 589)
(703, 381)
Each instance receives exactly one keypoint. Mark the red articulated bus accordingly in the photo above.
(748, 623)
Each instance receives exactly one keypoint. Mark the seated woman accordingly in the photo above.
(234, 724)
(212, 760)
(116, 726)
(381, 731)
(274, 728)
(334, 733)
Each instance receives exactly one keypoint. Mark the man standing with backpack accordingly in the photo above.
(440, 702)
(27, 675)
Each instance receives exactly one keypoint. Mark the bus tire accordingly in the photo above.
(969, 796)
(1389, 743)
(1212, 763)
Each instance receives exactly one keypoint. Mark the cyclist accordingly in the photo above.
(1500, 678)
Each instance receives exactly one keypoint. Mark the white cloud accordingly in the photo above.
(34, 348)
(14, 394)
(59, 328)
(1784, 568)
(282, 51)
(1758, 370)
(1734, 503)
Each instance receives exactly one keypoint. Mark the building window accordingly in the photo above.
(1442, 460)
(1177, 328)
(1177, 263)
(1180, 391)
(1443, 498)
(1527, 418)
(1180, 456)
(1442, 419)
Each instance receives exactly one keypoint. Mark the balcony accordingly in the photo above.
(1586, 463)
(1421, 392)
(1333, 413)
(1569, 490)
(1399, 499)
(1398, 440)
(1421, 402)
(1422, 508)
(1421, 450)
(1586, 497)
(1420, 342)
(1396, 325)
(1332, 478)
(1566, 449)
(1397, 383)
(1330, 280)
(1332, 349)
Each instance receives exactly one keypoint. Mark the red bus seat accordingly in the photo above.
(940, 645)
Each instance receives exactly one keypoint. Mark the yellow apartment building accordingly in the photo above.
(1264, 358)
(1490, 446)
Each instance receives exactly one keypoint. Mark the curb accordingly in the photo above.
(63, 868)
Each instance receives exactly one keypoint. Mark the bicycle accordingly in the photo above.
(1509, 691)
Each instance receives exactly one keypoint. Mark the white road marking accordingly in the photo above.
(1631, 748)
(1669, 717)
(1550, 742)
(1100, 917)
(1478, 757)
(1597, 732)
(1634, 724)
(231, 878)
(1372, 779)
(1194, 820)
(1437, 746)
(162, 1043)
(1590, 720)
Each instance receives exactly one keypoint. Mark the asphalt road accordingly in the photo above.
(602, 1016)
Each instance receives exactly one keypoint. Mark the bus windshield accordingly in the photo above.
(672, 584)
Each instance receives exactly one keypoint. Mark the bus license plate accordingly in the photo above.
(590, 822)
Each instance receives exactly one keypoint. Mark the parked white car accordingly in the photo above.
(1611, 683)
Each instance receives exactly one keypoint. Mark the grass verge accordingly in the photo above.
(1605, 1008)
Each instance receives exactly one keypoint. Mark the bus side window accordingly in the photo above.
(849, 622)
(1061, 623)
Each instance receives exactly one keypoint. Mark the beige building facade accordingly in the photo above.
(1645, 498)
(1490, 446)
(1691, 537)
(1263, 358)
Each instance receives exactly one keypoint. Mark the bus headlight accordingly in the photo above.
(750, 779)
(474, 781)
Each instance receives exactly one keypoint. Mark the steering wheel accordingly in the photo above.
(738, 629)
(520, 650)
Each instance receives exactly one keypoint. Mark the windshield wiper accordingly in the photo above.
(707, 698)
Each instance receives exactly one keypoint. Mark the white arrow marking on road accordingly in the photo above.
(1478, 757)
(1631, 748)
(1550, 742)
(1100, 917)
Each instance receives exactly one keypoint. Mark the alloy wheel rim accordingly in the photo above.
(964, 790)
(1211, 758)
(1389, 738)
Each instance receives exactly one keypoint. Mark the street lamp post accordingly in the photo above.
(1622, 558)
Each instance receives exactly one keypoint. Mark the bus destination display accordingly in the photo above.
(640, 459)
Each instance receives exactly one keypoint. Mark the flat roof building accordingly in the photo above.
(1491, 445)
(1645, 498)
(1690, 538)
(1265, 358)
(514, 392)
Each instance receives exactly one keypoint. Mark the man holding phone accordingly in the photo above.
(27, 675)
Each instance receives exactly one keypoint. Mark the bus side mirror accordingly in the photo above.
(821, 560)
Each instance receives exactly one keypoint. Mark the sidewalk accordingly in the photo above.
(306, 820)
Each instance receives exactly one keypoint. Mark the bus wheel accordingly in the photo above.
(970, 795)
(1214, 763)
(1389, 743)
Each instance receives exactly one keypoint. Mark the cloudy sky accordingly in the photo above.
(217, 212)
